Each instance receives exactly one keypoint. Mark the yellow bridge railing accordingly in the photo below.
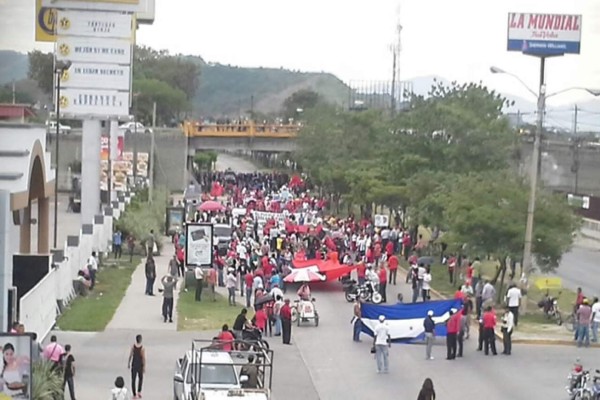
(248, 130)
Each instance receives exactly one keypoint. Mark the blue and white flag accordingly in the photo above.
(405, 320)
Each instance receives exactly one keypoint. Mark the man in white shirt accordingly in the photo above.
(513, 299)
(508, 324)
(276, 292)
(595, 320)
(92, 264)
(382, 342)
(199, 274)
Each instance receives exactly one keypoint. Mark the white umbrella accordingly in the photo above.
(304, 275)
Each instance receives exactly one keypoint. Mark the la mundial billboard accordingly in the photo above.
(544, 34)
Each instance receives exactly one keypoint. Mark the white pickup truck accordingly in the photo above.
(212, 374)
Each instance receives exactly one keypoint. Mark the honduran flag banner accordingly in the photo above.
(405, 320)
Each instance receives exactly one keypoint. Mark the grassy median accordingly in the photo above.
(206, 314)
(93, 312)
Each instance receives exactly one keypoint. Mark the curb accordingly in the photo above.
(499, 336)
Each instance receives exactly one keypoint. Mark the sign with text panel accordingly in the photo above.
(95, 24)
(94, 102)
(96, 76)
(92, 50)
(544, 34)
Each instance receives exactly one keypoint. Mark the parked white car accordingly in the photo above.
(133, 127)
(62, 129)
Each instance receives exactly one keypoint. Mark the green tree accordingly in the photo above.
(205, 160)
(46, 383)
(488, 213)
(170, 101)
(304, 99)
(176, 71)
(41, 70)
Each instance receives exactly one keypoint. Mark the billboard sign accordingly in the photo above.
(96, 76)
(45, 23)
(91, 50)
(544, 34)
(16, 372)
(94, 103)
(199, 244)
(94, 23)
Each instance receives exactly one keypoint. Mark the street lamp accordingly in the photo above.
(541, 106)
(59, 69)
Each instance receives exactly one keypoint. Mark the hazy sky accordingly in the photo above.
(456, 39)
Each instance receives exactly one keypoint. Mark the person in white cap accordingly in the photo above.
(382, 341)
(429, 326)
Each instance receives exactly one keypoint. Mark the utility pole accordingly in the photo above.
(252, 108)
(14, 92)
(151, 169)
(576, 145)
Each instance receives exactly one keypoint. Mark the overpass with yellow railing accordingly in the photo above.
(245, 136)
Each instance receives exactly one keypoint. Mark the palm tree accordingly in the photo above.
(46, 383)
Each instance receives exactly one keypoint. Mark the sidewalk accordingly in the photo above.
(145, 312)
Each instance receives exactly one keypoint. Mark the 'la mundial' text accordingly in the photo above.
(544, 21)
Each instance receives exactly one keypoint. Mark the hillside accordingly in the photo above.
(13, 66)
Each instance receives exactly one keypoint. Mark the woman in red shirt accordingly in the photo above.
(260, 320)
(225, 338)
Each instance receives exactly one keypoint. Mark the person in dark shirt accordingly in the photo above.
(251, 371)
(69, 372)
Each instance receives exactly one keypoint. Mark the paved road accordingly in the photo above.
(225, 161)
(581, 267)
(323, 362)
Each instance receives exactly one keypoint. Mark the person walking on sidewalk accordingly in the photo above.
(118, 244)
(211, 281)
(169, 284)
(463, 329)
(427, 392)
(137, 365)
(595, 320)
(584, 316)
(150, 275)
(150, 243)
(69, 371)
(429, 326)
(199, 275)
(174, 266)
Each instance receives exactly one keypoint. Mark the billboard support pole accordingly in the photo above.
(533, 173)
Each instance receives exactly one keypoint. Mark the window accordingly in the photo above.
(214, 374)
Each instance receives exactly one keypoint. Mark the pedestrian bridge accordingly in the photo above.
(246, 136)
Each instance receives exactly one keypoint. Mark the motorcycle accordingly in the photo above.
(577, 386)
(367, 292)
(551, 310)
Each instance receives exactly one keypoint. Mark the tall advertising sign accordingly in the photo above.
(16, 371)
(198, 245)
(544, 34)
(98, 46)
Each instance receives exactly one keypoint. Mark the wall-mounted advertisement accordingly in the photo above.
(199, 244)
(142, 163)
(93, 50)
(175, 220)
(15, 380)
(544, 34)
(95, 24)
(94, 102)
(45, 23)
(96, 76)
